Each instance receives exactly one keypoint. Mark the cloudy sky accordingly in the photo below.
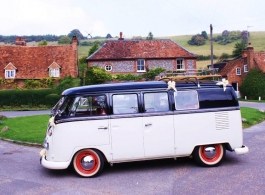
(132, 17)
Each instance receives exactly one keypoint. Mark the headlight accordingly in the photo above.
(46, 144)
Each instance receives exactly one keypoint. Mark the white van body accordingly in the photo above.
(115, 123)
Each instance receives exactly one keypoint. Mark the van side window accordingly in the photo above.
(186, 100)
(125, 104)
(156, 102)
(89, 106)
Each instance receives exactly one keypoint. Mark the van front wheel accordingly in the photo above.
(88, 162)
(209, 155)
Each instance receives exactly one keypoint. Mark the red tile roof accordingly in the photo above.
(230, 65)
(135, 49)
(32, 62)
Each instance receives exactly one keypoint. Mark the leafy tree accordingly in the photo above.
(204, 34)
(44, 42)
(224, 56)
(150, 36)
(245, 35)
(253, 86)
(77, 33)
(65, 83)
(239, 47)
(108, 36)
(64, 40)
(96, 75)
(197, 40)
(94, 48)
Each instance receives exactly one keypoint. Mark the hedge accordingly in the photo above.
(28, 97)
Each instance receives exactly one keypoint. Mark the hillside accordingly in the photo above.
(257, 40)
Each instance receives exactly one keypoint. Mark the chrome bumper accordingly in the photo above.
(242, 150)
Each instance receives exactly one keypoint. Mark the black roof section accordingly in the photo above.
(150, 85)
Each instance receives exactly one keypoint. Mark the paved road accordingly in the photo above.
(11, 114)
(252, 105)
(21, 173)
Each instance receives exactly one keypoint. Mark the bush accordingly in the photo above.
(52, 99)
(96, 75)
(151, 74)
(253, 86)
(66, 83)
(29, 97)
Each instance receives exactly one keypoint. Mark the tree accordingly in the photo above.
(96, 75)
(44, 42)
(93, 49)
(108, 36)
(253, 86)
(64, 40)
(204, 34)
(77, 33)
(239, 47)
(150, 36)
(197, 40)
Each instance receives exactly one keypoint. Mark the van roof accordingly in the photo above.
(138, 85)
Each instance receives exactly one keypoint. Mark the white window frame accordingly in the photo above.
(10, 74)
(54, 72)
(245, 68)
(140, 66)
(181, 65)
(108, 67)
(238, 71)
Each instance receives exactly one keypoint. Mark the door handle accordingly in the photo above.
(148, 124)
(103, 128)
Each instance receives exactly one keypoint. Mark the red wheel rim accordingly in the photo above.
(80, 157)
(214, 158)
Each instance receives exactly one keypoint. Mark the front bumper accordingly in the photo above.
(242, 150)
(50, 164)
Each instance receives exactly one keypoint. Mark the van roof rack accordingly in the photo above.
(194, 79)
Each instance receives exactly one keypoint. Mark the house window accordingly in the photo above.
(140, 65)
(54, 72)
(108, 68)
(238, 71)
(180, 64)
(245, 68)
(10, 74)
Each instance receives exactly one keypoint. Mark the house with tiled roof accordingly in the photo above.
(139, 56)
(20, 62)
(236, 70)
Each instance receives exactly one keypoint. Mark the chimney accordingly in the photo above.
(121, 36)
(250, 56)
(74, 42)
(20, 41)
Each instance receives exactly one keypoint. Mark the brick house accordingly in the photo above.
(20, 62)
(236, 70)
(138, 56)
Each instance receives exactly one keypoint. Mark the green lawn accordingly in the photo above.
(33, 128)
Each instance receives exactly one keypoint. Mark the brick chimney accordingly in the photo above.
(20, 41)
(250, 56)
(74, 42)
(244, 54)
(121, 36)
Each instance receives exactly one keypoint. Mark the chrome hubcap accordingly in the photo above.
(209, 152)
(87, 162)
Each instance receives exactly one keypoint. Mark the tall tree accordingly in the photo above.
(93, 49)
(150, 36)
(77, 33)
(64, 40)
(239, 47)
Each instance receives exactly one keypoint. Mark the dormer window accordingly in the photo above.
(10, 71)
(54, 70)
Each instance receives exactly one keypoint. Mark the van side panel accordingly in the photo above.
(207, 128)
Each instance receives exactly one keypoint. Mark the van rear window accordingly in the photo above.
(186, 100)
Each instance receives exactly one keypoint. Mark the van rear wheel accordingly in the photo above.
(209, 155)
(88, 162)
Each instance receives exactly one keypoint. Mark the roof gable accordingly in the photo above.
(135, 49)
(259, 58)
(54, 65)
(10, 66)
(230, 65)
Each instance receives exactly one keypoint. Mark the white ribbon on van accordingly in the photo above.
(224, 82)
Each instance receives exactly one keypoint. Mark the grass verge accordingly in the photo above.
(33, 128)
(252, 115)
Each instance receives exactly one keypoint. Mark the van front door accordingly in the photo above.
(126, 128)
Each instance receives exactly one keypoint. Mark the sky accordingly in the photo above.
(132, 17)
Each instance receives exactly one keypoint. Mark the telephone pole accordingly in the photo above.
(211, 41)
